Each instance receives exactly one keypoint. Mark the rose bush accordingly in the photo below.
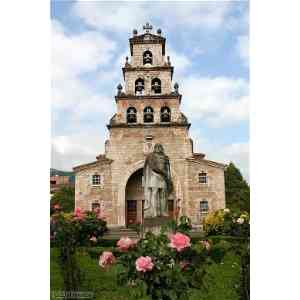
(163, 266)
(81, 228)
(68, 231)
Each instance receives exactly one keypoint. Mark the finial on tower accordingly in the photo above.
(176, 87)
(119, 87)
(169, 62)
(147, 27)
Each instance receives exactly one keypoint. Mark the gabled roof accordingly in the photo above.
(199, 158)
(100, 159)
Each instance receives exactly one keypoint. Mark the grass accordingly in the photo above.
(222, 280)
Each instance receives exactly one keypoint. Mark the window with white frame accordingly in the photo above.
(96, 179)
(203, 206)
(202, 177)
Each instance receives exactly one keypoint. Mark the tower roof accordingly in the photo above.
(147, 38)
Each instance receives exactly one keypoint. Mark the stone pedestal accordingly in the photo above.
(154, 225)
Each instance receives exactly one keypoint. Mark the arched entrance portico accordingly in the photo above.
(131, 195)
(134, 197)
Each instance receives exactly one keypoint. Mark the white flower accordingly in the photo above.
(226, 210)
(240, 220)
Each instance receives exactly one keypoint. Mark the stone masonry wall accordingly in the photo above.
(138, 51)
(213, 191)
(86, 193)
(127, 147)
(156, 104)
(147, 76)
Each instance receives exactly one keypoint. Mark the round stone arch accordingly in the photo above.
(122, 189)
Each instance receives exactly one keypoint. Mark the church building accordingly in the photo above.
(147, 113)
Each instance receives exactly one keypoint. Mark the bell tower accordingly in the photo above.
(148, 98)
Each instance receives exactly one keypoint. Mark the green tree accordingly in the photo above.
(237, 189)
(65, 197)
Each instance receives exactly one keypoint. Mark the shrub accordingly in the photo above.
(65, 198)
(226, 222)
(68, 231)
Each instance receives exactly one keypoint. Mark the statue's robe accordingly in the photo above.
(157, 184)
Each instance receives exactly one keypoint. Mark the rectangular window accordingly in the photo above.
(203, 206)
(203, 177)
(96, 180)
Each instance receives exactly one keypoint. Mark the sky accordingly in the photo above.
(208, 45)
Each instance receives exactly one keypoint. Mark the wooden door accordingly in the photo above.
(131, 212)
(171, 208)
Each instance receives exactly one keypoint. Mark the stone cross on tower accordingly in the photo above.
(147, 27)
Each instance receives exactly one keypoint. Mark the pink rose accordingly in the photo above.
(106, 259)
(179, 241)
(93, 239)
(56, 206)
(79, 214)
(125, 243)
(144, 264)
(78, 211)
(206, 244)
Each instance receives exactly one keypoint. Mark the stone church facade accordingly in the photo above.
(148, 112)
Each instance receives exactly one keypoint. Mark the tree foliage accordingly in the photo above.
(65, 197)
(237, 189)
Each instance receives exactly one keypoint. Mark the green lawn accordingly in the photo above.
(222, 280)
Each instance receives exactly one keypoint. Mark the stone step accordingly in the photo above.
(117, 233)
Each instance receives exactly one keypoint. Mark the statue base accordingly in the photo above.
(154, 224)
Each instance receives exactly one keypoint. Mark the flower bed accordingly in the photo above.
(164, 266)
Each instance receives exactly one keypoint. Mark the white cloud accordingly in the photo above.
(180, 61)
(242, 48)
(73, 55)
(237, 152)
(113, 15)
(219, 101)
(199, 14)
(110, 15)
(70, 151)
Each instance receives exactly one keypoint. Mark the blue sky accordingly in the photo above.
(208, 45)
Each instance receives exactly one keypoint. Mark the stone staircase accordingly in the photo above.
(116, 233)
